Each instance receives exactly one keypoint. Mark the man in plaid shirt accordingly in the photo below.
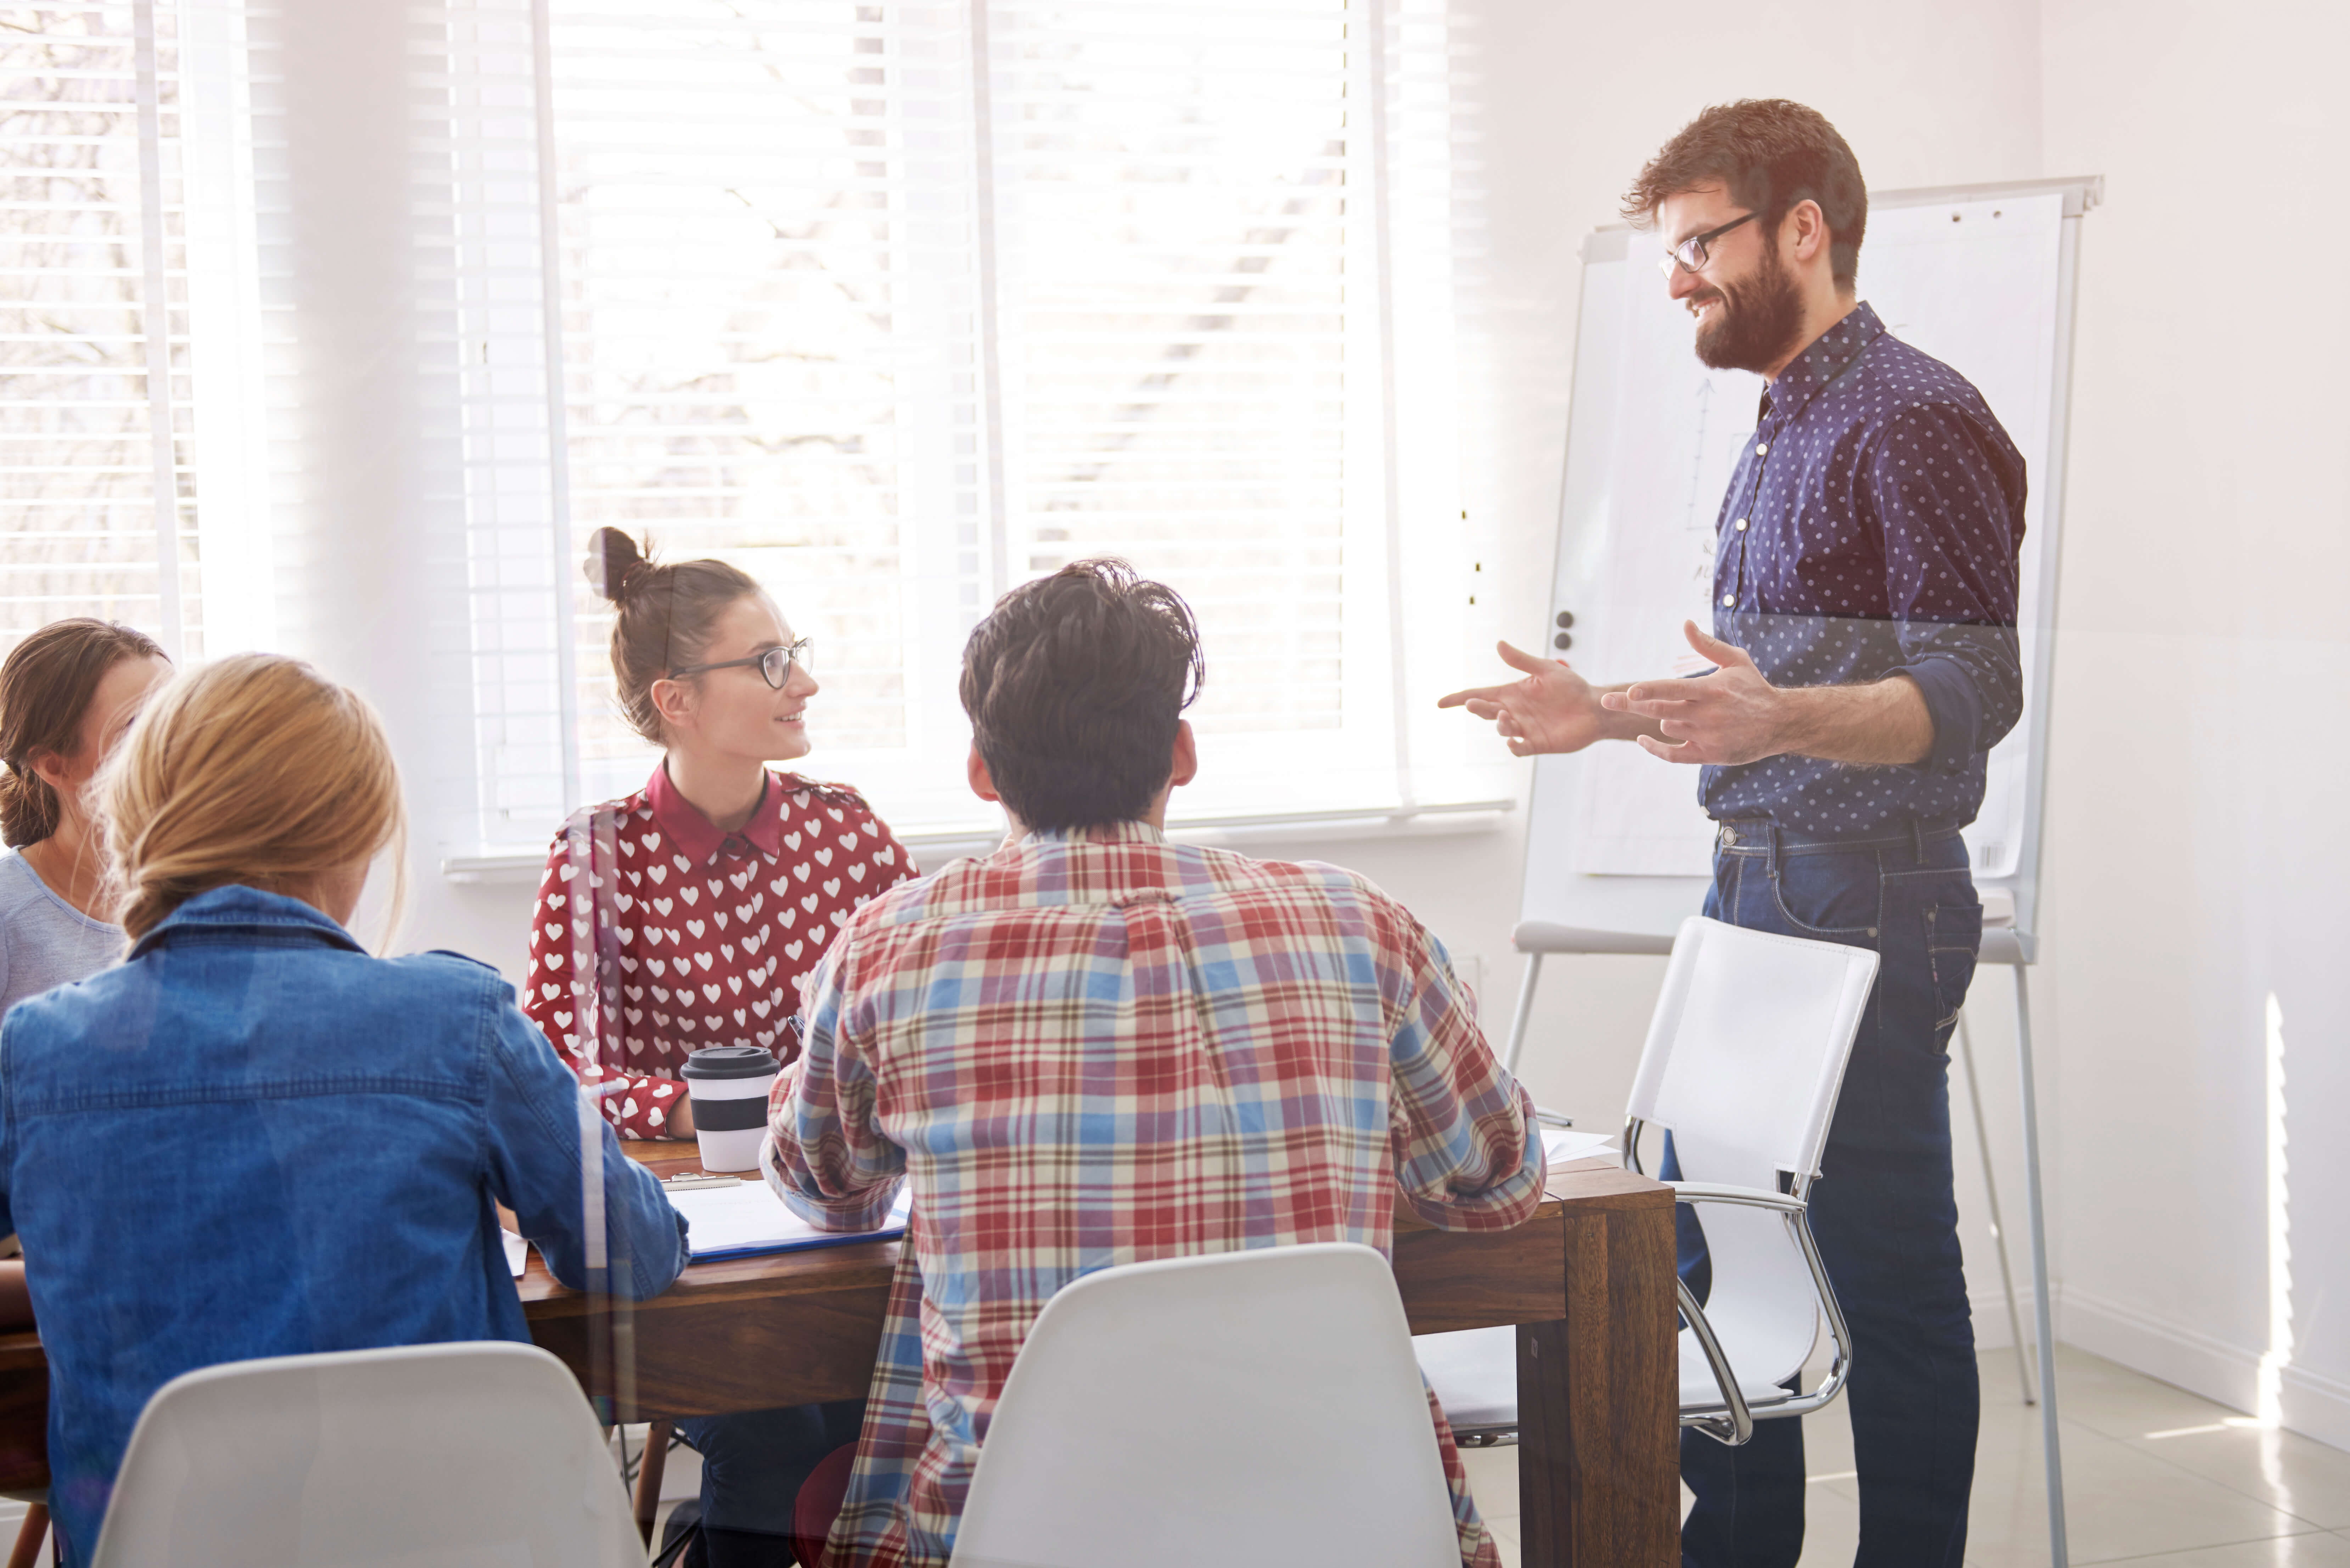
(1096, 1047)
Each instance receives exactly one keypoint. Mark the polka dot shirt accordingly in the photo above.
(1872, 527)
(700, 937)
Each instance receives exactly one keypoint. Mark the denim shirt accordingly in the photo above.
(250, 1138)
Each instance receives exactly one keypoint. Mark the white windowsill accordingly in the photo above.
(936, 847)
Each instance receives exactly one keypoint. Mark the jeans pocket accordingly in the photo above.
(1953, 939)
(1835, 898)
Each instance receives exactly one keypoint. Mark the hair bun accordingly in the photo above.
(614, 563)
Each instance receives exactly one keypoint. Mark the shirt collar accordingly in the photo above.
(241, 909)
(1828, 356)
(698, 838)
(1133, 832)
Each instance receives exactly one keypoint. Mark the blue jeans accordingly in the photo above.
(1883, 1209)
(752, 1463)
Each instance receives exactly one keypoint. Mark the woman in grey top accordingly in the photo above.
(67, 692)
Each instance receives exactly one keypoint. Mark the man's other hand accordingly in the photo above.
(1552, 710)
(1731, 716)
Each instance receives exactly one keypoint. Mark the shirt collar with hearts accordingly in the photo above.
(700, 839)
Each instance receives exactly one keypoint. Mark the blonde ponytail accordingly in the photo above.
(255, 771)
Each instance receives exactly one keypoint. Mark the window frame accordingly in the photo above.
(1409, 778)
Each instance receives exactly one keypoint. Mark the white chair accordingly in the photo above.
(429, 1456)
(1243, 1408)
(1744, 1057)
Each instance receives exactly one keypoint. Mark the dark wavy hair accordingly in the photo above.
(46, 686)
(1076, 684)
(1771, 153)
(665, 616)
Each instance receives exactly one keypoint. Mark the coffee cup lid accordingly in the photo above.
(730, 1061)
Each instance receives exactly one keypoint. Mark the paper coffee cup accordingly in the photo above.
(729, 1087)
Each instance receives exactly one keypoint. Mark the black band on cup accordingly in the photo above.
(730, 1115)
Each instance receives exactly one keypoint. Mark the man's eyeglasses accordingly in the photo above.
(775, 665)
(1690, 255)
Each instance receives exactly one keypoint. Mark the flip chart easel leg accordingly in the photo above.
(2058, 1554)
(1524, 1015)
(1998, 1221)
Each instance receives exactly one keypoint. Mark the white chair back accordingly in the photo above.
(1747, 1047)
(1746, 1051)
(431, 1456)
(1243, 1408)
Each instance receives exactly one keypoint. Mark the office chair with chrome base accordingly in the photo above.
(1744, 1057)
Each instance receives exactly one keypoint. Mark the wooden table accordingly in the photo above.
(1588, 1281)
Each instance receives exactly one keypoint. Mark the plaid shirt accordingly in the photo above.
(1099, 1048)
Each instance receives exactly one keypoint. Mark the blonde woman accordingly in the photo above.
(250, 1137)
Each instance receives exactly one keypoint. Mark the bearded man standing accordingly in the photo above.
(1865, 664)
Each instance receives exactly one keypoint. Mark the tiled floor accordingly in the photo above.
(2152, 1475)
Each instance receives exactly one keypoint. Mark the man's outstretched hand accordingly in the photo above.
(1553, 709)
(1731, 716)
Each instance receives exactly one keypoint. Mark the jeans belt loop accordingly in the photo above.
(1770, 829)
(1918, 838)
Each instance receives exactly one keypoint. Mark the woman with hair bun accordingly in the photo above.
(685, 916)
(250, 1137)
(67, 692)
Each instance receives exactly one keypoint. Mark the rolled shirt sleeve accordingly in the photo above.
(1468, 1154)
(825, 1154)
(1951, 529)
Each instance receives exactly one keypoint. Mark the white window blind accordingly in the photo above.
(1191, 361)
(95, 400)
(767, 252)
(896, 305)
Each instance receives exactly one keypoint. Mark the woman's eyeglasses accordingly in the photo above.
(775, 665)
(1690, 255)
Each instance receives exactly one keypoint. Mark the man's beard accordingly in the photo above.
(1755, 327)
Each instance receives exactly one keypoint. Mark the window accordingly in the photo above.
(768, 344)
(896, 305)
(129, 329)
(94, 335)
(1190, 373)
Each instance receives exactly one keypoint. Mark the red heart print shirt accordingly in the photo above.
(707, 934)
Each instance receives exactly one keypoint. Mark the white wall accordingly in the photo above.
(2195, 867)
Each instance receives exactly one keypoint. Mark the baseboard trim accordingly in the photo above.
(2309, 1403)
(2144, 1342)
(2316, 1406)
(1990, 1309)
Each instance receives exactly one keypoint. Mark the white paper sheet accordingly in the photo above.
(1561, 1145)
(747, 1219)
